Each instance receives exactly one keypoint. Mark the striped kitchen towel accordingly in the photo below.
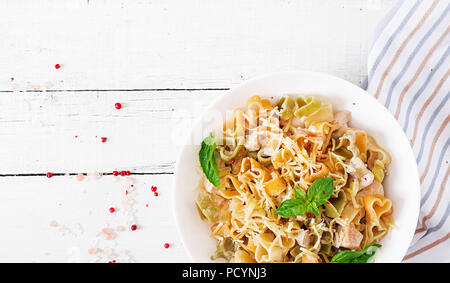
(408, 70)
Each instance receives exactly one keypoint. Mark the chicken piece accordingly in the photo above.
(270, 145)
(341, 118)
(348, 236)
(304, 239)
(358, 170)
(376, 188)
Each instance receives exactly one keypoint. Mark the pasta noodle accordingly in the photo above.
(272, 153)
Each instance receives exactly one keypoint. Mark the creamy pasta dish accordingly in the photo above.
(294, 182)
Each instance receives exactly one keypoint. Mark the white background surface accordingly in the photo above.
(164, 61)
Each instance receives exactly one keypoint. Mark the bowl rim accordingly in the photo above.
(244, 84)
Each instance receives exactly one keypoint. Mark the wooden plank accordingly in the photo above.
(180, 44)
(61, 131)
(79, 212)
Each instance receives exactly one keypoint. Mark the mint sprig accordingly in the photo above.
(363, 256)
(208, 161)
(318, 193)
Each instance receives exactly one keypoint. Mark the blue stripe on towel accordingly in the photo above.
(428, 126)
(436, 174)
(391, 38)
(413, 54)
(423, 87)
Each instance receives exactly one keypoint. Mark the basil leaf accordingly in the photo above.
(291, 207)
(368, 254)
(300, 209)
(345, 256)
(208, 161)
(320, 191)
(300, 193)
(313, 208)
(363, 256)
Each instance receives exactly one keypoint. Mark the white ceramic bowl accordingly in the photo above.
(401, 186)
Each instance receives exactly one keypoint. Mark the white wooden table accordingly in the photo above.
(164, 61)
